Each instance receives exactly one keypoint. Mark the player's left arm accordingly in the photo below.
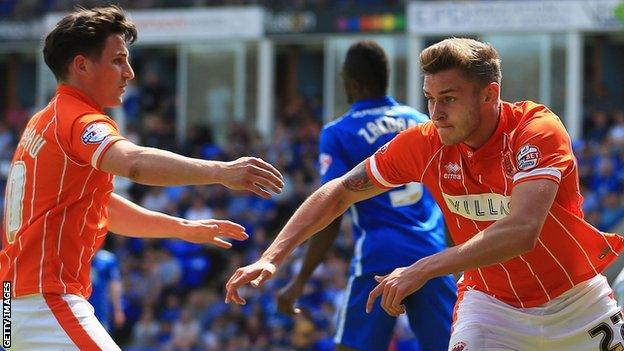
(129, 219)
(507, 238)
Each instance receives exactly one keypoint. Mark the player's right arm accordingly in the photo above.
(153, 166)
(319, 210)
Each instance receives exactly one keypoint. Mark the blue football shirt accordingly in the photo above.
(397, 227)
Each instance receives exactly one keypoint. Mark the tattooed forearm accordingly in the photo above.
(357, 179)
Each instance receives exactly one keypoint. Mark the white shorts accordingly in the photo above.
(56, 322)
(584, 318)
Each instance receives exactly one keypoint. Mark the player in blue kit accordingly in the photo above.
(392, 230)
(107, 289)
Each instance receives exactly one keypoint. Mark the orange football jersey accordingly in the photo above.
(55, 214)
(473, 189)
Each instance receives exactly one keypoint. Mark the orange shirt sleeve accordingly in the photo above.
(402, 160)
(90, 136)
(542, 148)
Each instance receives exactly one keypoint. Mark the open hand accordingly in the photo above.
(252, 174)
(210, 231)
(255, 274)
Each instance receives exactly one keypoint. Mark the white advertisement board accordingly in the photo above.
(444, 17)
(192, 25)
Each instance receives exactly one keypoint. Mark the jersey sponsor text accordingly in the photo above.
(481, 207)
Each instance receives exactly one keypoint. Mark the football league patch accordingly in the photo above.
(95, 133)
(325, 160)
(528, 157)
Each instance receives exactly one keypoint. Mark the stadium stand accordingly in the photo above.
(173, 290)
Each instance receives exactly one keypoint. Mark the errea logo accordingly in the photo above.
(453, 171)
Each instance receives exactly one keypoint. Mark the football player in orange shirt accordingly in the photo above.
(59, 201)
(506, 180)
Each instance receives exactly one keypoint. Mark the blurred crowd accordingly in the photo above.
(600, 156)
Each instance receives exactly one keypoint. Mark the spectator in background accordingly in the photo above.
(145, 332)
(612, 211)
(158, 132)
(156, 199)
(169, 269)
(7, 141)
(598, 127)
(16, 116)
(185, 332)
(198, 208)
(132, 104)
(153, 94)
(616, 133)
(106, 297)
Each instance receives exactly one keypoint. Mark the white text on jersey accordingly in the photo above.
(32, 142)
(384, 125)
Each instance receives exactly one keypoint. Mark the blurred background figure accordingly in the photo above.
(106, 296)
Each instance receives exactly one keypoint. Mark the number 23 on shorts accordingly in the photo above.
(606, 332)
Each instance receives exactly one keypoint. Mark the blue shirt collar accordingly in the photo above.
(365, 104)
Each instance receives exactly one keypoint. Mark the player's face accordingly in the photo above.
(110, 74)
(454, 108)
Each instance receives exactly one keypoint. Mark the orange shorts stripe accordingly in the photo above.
(69, 322)
(460, 297)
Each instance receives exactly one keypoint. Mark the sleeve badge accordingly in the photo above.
(95, 133)
(528, 157)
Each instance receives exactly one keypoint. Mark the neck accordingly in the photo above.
(489, 123)
(75, 83)
(367, 97)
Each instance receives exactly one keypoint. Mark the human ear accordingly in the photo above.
(491, 92)
(488, 96)
(79, 65)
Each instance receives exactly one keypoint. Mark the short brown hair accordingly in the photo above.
(477, 60)
(84, 32)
